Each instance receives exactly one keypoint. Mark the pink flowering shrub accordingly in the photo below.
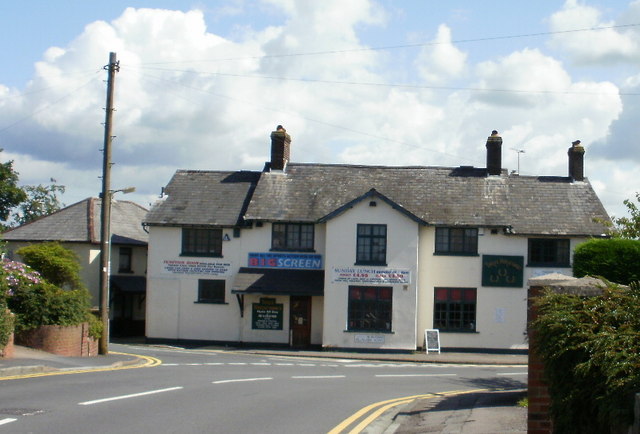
(16, 274)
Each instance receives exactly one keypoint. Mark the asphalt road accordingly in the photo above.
(200, 391)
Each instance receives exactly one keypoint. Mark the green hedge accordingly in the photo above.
(6, 324)
(47, 304)
(590, 347)
(616, 259)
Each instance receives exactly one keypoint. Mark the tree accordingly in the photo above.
(10, 194)
(628, 227)
(56, 264)
(41, 200)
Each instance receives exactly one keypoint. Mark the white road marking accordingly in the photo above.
(214, 364)
(239, 380)
(261, 364)
(237, 364)
(133, 395)
(416, 375)
(284, 364)
(298, 377)
(306, 364)
(7, 420)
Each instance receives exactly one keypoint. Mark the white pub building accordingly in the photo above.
(360, 257)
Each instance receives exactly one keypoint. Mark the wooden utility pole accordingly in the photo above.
(105, 222)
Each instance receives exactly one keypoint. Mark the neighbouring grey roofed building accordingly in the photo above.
(462, 196)
(197, 197)
(80, 223)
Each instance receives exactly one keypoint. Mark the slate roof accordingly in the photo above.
(197, 197)
(440, 196)
(80, 223)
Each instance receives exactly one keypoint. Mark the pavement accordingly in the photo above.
(477, 412)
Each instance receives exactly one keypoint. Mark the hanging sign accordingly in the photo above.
(505, 271)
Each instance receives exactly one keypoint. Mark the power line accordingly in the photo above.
(402, 46)
(316, 121)
(399, 85)
(45, 107)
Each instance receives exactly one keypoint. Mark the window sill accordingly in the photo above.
(371, 264)
(455, 254)
(199, 255)
(292, 250)
(210, 302)
(466, 332)
(545, 265)
(382, 332)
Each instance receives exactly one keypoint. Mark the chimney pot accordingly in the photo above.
(280, 148)
(494, 153)
(576, 161)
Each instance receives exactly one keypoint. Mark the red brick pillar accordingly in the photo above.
(538, 419)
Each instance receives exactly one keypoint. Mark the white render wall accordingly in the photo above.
(172, 313)
(402, 253)
(501, 313)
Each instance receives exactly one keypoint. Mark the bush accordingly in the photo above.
(6, 324)
(47, 304)
(617, 260)
(590, 347)
(56, 264)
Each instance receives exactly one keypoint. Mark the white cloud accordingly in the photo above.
(182, 103)
(592, 47)
(442, 61)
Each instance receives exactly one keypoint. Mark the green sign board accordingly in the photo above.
(505, 271)
(267, 315)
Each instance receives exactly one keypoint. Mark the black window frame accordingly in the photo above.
(549, 252)
(370, 314)
(292, 237)
(371, 247)
(205, 242)
(211, 291)
(456, 241)
(455, 314)
(125, 260)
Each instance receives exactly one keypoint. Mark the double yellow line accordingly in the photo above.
(374, 411)
(149, 362)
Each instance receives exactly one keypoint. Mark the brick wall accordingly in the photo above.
(69, 341)
(7, 351)
(538, 419)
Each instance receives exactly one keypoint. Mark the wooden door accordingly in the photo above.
(300, 321)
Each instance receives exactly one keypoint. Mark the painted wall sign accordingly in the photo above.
(285, 260)
(368, 339)
(181, 266)
(267, 315)
(371, 275)
(506, 271)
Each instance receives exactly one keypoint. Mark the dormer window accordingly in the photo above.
(292, 236)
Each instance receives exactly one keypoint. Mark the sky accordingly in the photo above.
(202, 84)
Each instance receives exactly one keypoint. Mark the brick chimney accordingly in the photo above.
(494, 154)
(576, 161)
(280, 145)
